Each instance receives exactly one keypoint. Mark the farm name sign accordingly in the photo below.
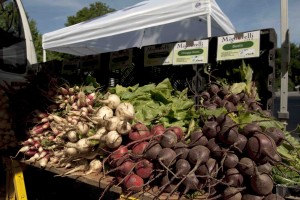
(238, 46)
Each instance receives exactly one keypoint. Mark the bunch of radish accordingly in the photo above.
(7, 134)
(79, 125)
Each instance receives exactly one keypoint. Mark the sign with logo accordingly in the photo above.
(158, 55)
(120, 59)
(195, 52)
(238, 46)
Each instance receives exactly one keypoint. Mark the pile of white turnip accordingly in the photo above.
(7, 134)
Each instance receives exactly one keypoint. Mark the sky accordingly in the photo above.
(51, 15)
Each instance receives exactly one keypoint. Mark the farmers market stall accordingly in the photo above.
(146, 23)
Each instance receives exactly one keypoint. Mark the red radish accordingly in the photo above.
(24, 149)
(144, 168)
(124, 168)
(157, 129)
(30, 152)
(134, 183)
(139, 131)
(63, 91)
(121, 151)
(37, 129)
(119, 156)
(139, 148)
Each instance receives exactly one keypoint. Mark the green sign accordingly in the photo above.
(238, 46)
(192, 53)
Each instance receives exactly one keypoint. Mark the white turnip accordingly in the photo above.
(95, 166)
(123, 127)
(113, 139)
(83, 145)
(103, 113)
(125, 111)
(72, 136)
(112, 101)
(112, 123)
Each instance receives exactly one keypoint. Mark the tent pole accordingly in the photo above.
(283, 114)
(208, 25)
(44, 55)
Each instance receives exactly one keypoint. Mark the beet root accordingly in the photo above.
(252, 197)
(152, 150)
(198, 155)
(167, 157)
(198, 138)
(168, 139)
(234, 178)
(261, 184)
(232, 193)
(273, 197)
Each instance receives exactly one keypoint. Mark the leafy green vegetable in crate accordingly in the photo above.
(159, 103)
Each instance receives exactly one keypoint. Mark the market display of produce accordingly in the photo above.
(153, 139)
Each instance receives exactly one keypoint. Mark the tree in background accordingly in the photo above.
(294, 67)
(94, 10)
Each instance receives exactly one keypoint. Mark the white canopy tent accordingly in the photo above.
(146, 23)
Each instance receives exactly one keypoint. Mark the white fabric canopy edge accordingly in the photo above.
(102, 34)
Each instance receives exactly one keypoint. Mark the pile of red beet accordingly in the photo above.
(220, 160)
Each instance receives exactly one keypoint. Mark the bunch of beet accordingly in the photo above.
(220, 160)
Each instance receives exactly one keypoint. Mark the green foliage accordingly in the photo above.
(95, 10)
(159, 103)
